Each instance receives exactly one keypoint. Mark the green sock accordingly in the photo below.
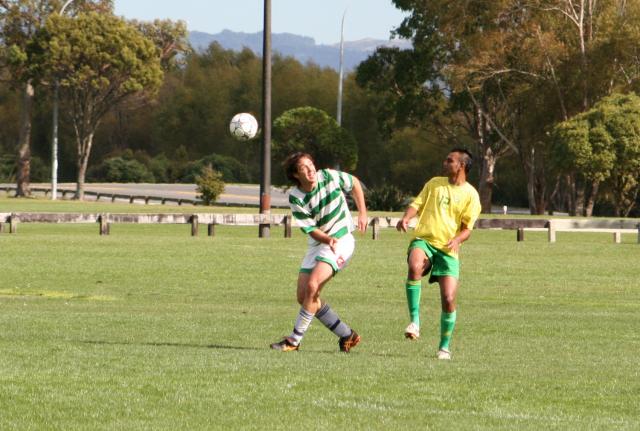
(447, 323)
(413, 288)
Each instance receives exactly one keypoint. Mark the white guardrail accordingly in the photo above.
(552, 226)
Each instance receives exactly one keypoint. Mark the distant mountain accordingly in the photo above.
(303, 48)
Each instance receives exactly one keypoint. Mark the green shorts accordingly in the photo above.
(441, 263)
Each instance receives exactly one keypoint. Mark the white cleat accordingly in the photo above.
(443, 354)
(412, 332)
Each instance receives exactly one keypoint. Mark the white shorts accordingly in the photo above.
(322, 252)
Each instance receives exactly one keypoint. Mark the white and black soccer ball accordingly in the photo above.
(243, 126)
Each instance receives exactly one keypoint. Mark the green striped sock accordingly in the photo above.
(413, 288)
(447, 323)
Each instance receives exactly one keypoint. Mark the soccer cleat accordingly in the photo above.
(412, 331)
(286, 345)
(443, 354)
(348, 343)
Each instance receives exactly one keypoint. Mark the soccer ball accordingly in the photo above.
(243, 126)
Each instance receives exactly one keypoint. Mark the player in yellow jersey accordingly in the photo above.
(446, 208)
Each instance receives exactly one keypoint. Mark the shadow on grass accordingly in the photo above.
(228, 347)
(167, 344)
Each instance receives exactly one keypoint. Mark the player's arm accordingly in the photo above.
(455, 242)
(323, 238)
(412, 210)
(358, 197)
(409, 213)
(469, 217)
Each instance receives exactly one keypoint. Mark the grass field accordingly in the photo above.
(149, 328)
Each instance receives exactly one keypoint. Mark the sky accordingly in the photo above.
(319, 19)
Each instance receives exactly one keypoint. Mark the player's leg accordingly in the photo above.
(418, 264)
(308, 293)
(313, 284)
(348, 338)
(448, 290)
(305, 316)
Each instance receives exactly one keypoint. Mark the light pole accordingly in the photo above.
(265, 183)
(341, 72)
(54, 133)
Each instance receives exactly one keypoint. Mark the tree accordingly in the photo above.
(622, 120)
(584, 150)
(491, 60)
(100, 61)
(602, 144)
(312, 130)
(170, 37)
(438, 80)
(128, 125)
(197, 101)
(20, 21)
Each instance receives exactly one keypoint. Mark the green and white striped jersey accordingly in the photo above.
(324, 207)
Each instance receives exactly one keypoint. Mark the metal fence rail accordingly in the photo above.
(110, 196)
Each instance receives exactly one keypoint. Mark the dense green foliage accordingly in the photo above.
(121, 170)
(21, 22)
(99, 61)
(188, 122)
(149, 328)
(232, 170)
(313, 131)
(603, 143)
(500, 74)
(492, 76)
(386, 198)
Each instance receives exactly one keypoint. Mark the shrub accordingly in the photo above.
(160, 167)
(121, 170)
(386, 198)
(7, 168)
(39, 171)
(231, 169)
(210, 185)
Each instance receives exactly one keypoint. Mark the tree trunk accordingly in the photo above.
(485, 190)
(540, 195)
(487, 164)
(536, 186)
(84, 149)
(588, 209)
(579, 199)
(571, 195)
(529, 167)
(632, 202)
(23, 187)
(555, 198)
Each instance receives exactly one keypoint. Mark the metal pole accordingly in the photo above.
(265, 184)
(54, 132)
(341, 74)
(54, 144)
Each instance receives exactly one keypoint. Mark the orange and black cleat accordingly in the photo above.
(348, 343)
(286, 345)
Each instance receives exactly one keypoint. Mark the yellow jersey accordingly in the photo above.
(442, 209)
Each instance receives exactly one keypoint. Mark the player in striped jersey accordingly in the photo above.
(319, 207)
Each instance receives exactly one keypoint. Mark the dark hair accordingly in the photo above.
(465, 157)
(290, 165)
